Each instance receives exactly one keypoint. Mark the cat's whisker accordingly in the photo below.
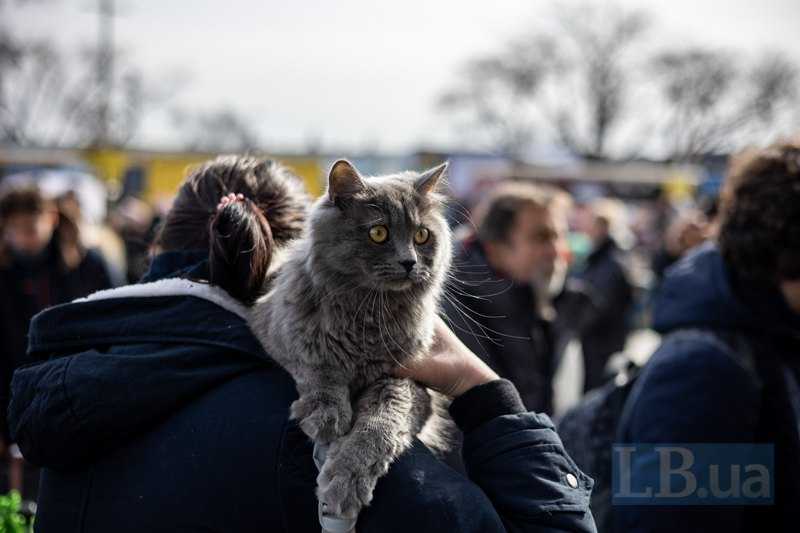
(468, 265)
(508, 286)
(472, 332)
(471, 284)
(476, 272)
(462, 210)
(467, 308)
(464, 294)
(464, 309)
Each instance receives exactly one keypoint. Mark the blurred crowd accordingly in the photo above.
(556, 270)
(536, 270)
(51, 253)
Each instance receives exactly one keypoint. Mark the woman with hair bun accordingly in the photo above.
(152, 407)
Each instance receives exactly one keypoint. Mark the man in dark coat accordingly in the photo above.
(498, 298)
(605, 325)
(733, 377)
(153, 408)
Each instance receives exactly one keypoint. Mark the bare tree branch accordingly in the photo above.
(597, 39)
(495, 92)
(714, 98)
(503, 92)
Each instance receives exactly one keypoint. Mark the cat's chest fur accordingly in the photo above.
(372, 332)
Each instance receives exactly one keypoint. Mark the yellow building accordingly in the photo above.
(162, 172)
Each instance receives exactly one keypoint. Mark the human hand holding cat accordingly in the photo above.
(450, 368)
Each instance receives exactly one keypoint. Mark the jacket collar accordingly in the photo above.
(171, 310)
(173, 287)
(192, 264)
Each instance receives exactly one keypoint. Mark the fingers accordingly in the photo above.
(229, 199)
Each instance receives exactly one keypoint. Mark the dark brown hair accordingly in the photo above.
(23, 201)
(241, 237)
(30, 201)
(495, 216)
(759, 232)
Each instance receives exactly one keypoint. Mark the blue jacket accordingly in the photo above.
(153, 408)
(693, 391)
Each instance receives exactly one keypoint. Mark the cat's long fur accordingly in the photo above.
(339, 317)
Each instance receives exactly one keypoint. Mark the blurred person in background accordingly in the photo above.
(728, 367)
(96, 235)
(498, 299)
(687, 230)
(605, 325)
(135, 221)
(42, 263)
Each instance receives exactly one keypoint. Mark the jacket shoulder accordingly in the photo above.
(692, 390)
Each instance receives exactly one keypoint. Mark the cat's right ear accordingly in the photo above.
(344, 181)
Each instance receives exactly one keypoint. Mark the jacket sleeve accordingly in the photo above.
(517, 459)
(689, 392)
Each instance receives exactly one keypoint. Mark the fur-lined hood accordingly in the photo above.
(108, 366)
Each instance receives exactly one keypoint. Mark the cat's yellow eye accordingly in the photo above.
(422, 235)
(378, 234)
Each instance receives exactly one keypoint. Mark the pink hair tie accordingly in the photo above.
(229, 198)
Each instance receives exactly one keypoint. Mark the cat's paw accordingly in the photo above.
(344, 492)
(322, 419)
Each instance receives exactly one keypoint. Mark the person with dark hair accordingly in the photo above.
(42, 263)
(498, 293)
(152, 407)
(727, 370)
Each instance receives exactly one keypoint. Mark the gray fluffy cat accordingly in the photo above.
(357, 296)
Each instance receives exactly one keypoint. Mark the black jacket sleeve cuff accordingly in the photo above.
(485, 402)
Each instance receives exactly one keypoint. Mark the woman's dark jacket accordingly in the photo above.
(153, 408)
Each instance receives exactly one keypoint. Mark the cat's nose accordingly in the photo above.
(408, 265)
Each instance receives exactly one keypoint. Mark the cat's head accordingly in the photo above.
(387, 232)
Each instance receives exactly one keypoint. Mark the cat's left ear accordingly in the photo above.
(429, 179)
(344, 180)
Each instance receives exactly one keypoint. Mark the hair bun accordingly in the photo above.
(240, 247)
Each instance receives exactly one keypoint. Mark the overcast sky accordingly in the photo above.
(361, 72)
